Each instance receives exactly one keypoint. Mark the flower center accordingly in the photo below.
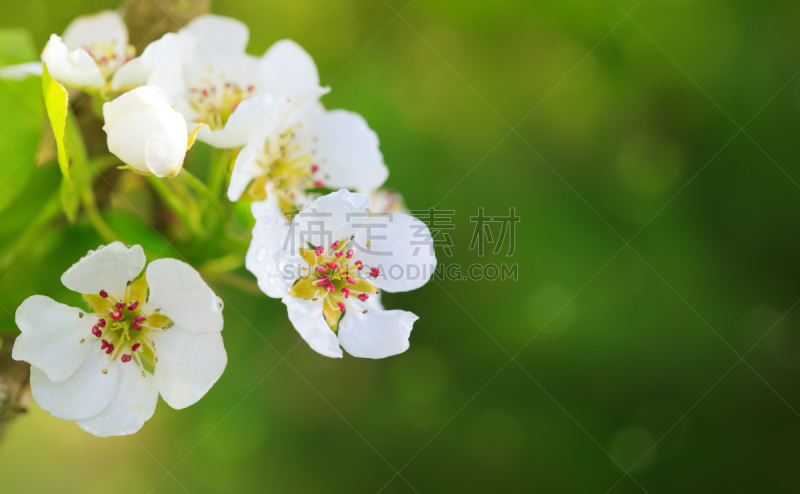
(334, 278)
(105, 55)
(290, 170)
(215, 100)
(126, 325)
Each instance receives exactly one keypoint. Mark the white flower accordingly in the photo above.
(104, 369)
(88, 54)
(145, 132)
(332, 261)
(385, 200)
(315, 149)
(206, 73)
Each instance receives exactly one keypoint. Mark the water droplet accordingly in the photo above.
(220, 304)
(261, 256)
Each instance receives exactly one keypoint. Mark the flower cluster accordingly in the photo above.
(327, 238)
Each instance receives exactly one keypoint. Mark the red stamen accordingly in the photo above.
(251, 88)
(103, 293)
(105, 345)
(97, 332)
(350, 254)
(109, 349)
(360, 265)
(205, 92)
(330, 288)
(135, 346)
(115, 315)
(322, 269)
(339, 254)
(101, 323)
(140, 319)
(335, 245)
(314, 168)
(363, 297)
(323, 281)
(135, 325)
(346, 292)
(340, 305)
(120, 305)
(374, 272)
(351, 280)
(126, 358)
(332, 265)
(319, 250)
(319, 185)
(133, 306)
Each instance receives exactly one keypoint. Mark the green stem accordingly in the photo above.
(234, 281)
(95, 218)
(37, 228)
(170, 198)
(220, 160)
(225, 264)
(195, 183)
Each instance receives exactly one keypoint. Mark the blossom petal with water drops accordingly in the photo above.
(108, 268)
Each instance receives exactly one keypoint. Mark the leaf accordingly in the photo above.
(21, 114)
(56, 101)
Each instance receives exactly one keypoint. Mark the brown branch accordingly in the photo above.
(149, 20)
(15, 393)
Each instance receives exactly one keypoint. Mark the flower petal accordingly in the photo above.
(219, 37)
(164, 51)
(272, 257)
(401, 247)
(252, 113)
(51, 334)
(330, 218)
(345, 148)
(188, 365)
(133, 404)
(376, 334)
(306, 317)
(288, 67)
(108, 268)
(102, 28)
(165, 150)
(75, 69)
(182, 295)
(85, 394)
(20, 71)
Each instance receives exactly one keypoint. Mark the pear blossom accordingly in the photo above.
(143, 335)
(385, 200)
(206, 73)
(145, 132)
(329, 266)
(88, 54)
(292, 154)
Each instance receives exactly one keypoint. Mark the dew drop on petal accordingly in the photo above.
(219, 304)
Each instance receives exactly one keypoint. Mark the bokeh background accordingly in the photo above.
(598, 129)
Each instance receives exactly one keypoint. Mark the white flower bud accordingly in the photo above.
(145, 132)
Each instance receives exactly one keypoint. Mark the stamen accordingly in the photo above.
(135, 325)
(120, 305)
(115, 315)
(340, 305)
(360, 265)
(101, 323)
(323, 281)
(104, 346)
(319, 250)
(140, 319)
(135, 346)
(374, 272)
(97, 332)
(314, 168)
(365, 311)
(80, 315)
(103, 293)
(332, 265)
(330, 288)
(351, 280)
(335, 245)
(322, 269)
(339, 254)
(363, 297)
(133, 306)
(350, 254)
(125, 358)
(319, 185)
(109, 349)
(346, 292)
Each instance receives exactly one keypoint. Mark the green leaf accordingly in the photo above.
(69, 142)
(20, 117)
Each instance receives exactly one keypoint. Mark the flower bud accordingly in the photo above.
(145, 132)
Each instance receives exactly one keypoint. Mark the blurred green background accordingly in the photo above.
(619, 125)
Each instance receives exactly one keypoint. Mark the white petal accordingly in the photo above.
(376, 334)
(182, 295)
(217, 36)
(76, 69)
(288, 67)
(133, 404)
(188, 365)
(165, 51)
(252, 113)
(51, 335)
(306, 317)
(402, 248)
(105, 27)
(273, 257)
(331, 217)
(21, 71)
(85, 394)
(346, 149)
(108, 268)
(145, 132)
